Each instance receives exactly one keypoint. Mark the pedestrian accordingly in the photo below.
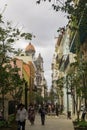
(68, 114)
(21, 116)
(53, 108)
(42, 112)
(49, 108)
(57, 109)
(83, 114)
(31, 114)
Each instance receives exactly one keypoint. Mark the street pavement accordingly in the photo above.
(51, 123)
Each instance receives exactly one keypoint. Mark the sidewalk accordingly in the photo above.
(52, 123)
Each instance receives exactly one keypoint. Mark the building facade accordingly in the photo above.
(37, 82)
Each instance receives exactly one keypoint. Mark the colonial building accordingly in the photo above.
(70, 56)
(59, 70)
(40, 80)
(37, 81)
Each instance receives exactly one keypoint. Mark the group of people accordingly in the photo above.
(22, 114)
(53, 108)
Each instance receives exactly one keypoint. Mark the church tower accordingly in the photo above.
(30, 50)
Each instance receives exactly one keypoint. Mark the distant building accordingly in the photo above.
(59, 71)
(39, 81)
(71, 48)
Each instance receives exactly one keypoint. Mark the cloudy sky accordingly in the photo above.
(42, 21)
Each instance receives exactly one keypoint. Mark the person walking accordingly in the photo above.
(83, 114)
(31, 114)
(21, 116)
(42, 114)
(57, 109)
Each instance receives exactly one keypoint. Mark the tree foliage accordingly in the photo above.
(10, 81)
(77, 82)
(76, 12)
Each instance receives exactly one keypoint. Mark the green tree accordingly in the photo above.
(18, 52)
(76, 14)
(52, 95)
(59, 92)
(77, 81)
(73, 85)
(15, 83)
(9, 77)
(39, 99)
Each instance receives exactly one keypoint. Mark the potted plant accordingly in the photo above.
(8, 125)
(80, 125)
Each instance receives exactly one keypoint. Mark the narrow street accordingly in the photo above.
(52, 123)
(43, 64)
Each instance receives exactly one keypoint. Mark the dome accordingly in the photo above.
(30, 47)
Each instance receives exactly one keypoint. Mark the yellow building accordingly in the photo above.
(28, 72)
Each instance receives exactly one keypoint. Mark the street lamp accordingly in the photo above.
(26, 89)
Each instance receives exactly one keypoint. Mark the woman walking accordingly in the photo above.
(31, 114)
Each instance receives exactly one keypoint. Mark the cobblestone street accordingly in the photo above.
(52, 123)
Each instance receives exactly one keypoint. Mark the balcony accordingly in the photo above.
(66, 62)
